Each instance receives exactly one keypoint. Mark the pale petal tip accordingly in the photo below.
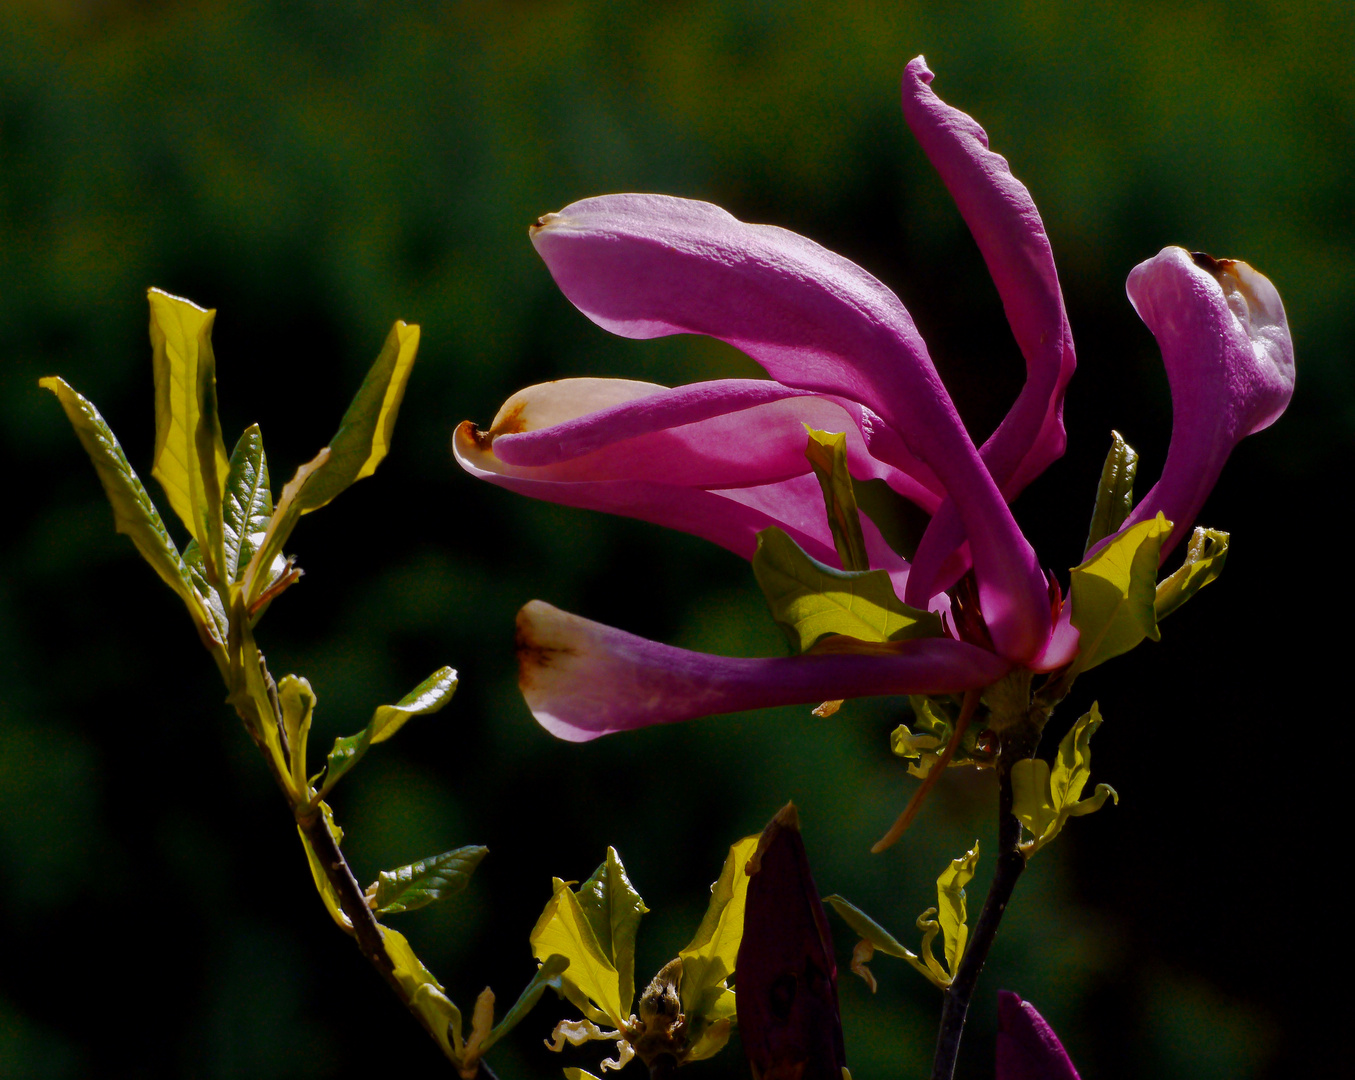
(545, 651)
(545, 221)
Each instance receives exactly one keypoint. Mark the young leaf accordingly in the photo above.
(1113, 594)
(592, 983)
(421, 883)
(134, 515)
(827, 455)
(1045, 799)
(322, 884)
(426, 994)
(709, 958)
(547, 975)
(297, 701)
(364, 434)
(428, 697)
(248, 502)
(1115, 494)
(613, 908)
(950, 900)
(190, 459)
(357, 448)
(810, 600)
(875, 938)
(1204, 562)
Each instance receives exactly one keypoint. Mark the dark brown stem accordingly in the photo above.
(663, 1067)
(1015, 744)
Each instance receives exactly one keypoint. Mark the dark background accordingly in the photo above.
(316, 170)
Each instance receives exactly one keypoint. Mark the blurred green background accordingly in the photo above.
(316, 170)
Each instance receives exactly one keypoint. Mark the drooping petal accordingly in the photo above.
(1006, 225)
(1230, 363)
(582, 679)
(648, 265)
(1027, 1048)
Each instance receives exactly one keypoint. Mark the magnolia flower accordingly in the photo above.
(725, 459)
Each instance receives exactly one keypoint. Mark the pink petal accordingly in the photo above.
(1027, 1048)
(649, 265)
(582, 679)
(1230, 362)
(726, 521)
(1004, 222)
(723, 433)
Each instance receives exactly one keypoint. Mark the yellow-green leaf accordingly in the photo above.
(875, 937)
(810, 600)
(364, 434)
(827, 455)
(1115, 493)
(248, 502)
(709, 958)
(428, 697)
(708, 1031)
(614, 908)
(322, 883)
(868, 929)
(564, 929)
(1113, 594)
(297, 701)
(190, 458)
(547, 975)
(427, 996)
(950, 902)
(134, 515)
(419, 884)
(1205, 557)
(1045, 799)
(578, 1074)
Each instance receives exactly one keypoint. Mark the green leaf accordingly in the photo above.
(708, 1031)
(364, 434)
(875, 937)
(427, 997)
(248, 502)
(1115, 494)
(709, 958)
(297, 702)
(547, 975)
(190, 458)
(578, 1074)
(827, 455)
(134, 515)
(1044, 799)
(950, 901)
(868, 929)
(421, 883)
(428, 697)
(810, 600)
(1205, 557)
(322, 883)
(613, 908)
(592, 983)
(1113, 594)
(901, 522)
(357, 448)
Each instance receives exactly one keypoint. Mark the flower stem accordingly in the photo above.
(1015, 744)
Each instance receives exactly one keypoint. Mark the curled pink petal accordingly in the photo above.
(729, 522)
(1004, 222)
(1006, 225)
(649, 265)
(1027, 1048)
(1230, 362)
(582, 679)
